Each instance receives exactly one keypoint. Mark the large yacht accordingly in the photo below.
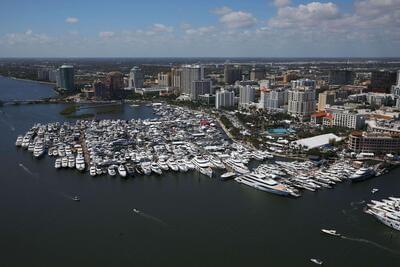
(256, 181)
(172, 165)
(203, 166)
(71, 161)
(386, 211)
(38, 150)
(80, 163)
(182, 165)
(111, 170)
(64, 162)
(155, 168)
(92, 170)
(57, 163)
(121, 170)
(163, 165)
(20, 138)
(362, 174)
(146, 167)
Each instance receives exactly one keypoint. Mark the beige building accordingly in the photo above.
(325, 98)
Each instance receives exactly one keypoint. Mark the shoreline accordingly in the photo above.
(28, 80)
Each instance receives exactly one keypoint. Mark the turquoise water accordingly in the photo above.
(280, 131)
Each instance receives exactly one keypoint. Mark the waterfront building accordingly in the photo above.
(136, 78)
(373, 142)
(382, 81)
(301, 101)
(341, 77)
(53, 75)
(115, 83)
(164, 79)
(43, 74)
(325, 98)
(200, 88)
(224, 99)
(232, 74)
(66, 78)
(344, 118)
(246, 95)
(191, 73)
(176, 78)
(273, 99)
(101, 91)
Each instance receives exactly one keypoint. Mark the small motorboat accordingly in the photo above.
(316, 261)
(374, 190)
(76, 198)
(136, 211)
(330, 232)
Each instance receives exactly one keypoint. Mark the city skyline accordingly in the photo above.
(280, 28)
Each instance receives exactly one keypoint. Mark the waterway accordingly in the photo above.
(185, 220)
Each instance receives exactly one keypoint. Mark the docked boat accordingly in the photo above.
(111, 170)
(71, 161)
(182, 166)
(92, 171)
(19, 140)
(122, 171)
(57, 163)
(172, 165)
(228, 175)
(64, 162)
(163, 165)
(362, 174)
(268, 185)
(203, 166)
(146, 167)
(155, 168)
(80, 163)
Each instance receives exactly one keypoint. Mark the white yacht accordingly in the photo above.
(64, 162)
(38, 150)
(146, 167)
(182, 166)
(57, 163)
(92, 170)
(216, 162)
(257, 181)
(203, 166)
(172, 165)
(163, 165)
(362, 174)
(121, 170)
(111, 170)
(189, 164)
(19, 140)
(71, 161)
(80, 163)
(155, 168)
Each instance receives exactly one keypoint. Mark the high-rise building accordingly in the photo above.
(301, 98)
(383, 80)
(303, 83)
(136, 78)
(289, 76)
(232, 74)
(66, 74)
(341, 77)
(272, 99)
(115, 81)
(101, 91)
(246, 95)
(325, 98)
(53, 73)
(257, 73)
(224, 99)
(344, 118)
(200, 88)
(396, 91)
(176, 78)
(164, 79)
(191, 73)
(43, 74)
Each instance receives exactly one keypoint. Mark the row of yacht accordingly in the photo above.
(177, 140)
(386, 211)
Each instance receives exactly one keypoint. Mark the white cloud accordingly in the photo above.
(311, 14)
(106, 35)
(221, 10)
(200, 30)
(28, 37)
(160, 28)
(71, 20)
(238, 19)
(282, 3)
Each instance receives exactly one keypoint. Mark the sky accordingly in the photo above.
(205, 28)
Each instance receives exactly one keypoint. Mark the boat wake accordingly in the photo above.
(366, 241)
(150, 217)
(27, 170)
(12, 128)
(58, 193)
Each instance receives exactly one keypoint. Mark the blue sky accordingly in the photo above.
(270, 28)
